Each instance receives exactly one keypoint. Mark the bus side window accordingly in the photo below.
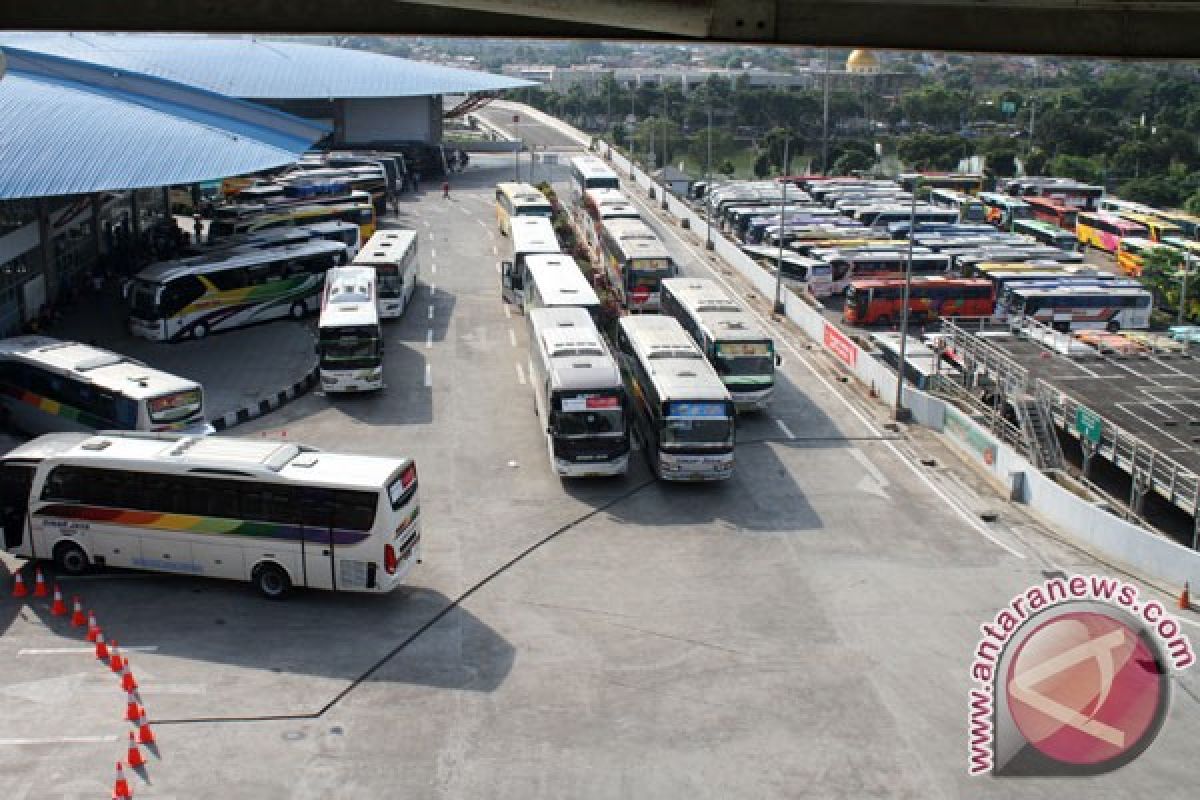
(354, 510)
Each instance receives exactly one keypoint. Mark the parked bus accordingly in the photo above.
(1132, 252)
(529, 235)
(849, 266)
(519, 200)
(1117, 206)
(49, 385)
(1188, 223)
(276, 514)
(732, 340)
(555, 281)
(393, 256)
(1002, 279)
(193, 297)
(970, 183)
(361, 214)
(1158, 227)
(635, 262)
(684, 415)
(602, 204)
(817, 274)
(1104, 231)
(578, 394)
(591, 172)
(1006, 297)
(349, 337)
(869, 302)
(1084, 307)
(1046, 233)
(1053, 212)
(1003, 211)
(969, 208)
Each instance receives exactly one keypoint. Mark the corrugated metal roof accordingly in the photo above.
(73, 128)
(262, 70)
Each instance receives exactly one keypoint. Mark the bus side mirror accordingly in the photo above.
(506, 267)
(549, 430)
(778, 360)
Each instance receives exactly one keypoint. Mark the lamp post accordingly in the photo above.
(1187, 267)
(517, 149)
(825, 120)
(778, 307)
(901, 413)
(708, 242)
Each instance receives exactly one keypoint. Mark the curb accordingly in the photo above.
(266, 405)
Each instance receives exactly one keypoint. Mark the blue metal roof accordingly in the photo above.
(262, 70)
(70, 128)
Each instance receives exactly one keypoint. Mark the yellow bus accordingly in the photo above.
(361, 214)
(1132, 252)
(1188, 223)
(1103, 230)
(519, 200)
(1158, 227)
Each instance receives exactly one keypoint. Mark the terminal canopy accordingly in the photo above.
(71, 127)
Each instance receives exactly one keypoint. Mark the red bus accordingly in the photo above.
(880, 301)
(1052, 211)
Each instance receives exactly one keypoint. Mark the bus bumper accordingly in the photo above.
(592, 469)
(752, 401)
(391, 309)
(154, 330)
(695, 468)
(365, 380)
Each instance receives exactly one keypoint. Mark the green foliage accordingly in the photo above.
(852, 161)
(1162, 273)
(1036, 161)
(1154, 190)
(723, 146)
(1078, 168)
(927, 151)
(1001, 155)
(762, 165)
(726, 168)
(774, 143)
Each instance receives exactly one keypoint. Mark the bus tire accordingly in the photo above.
(298, 310)
(70, 558)
(199, 331)
(1113, 326)
(271, 581)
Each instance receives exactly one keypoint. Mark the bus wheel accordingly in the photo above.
(1113, 326)
(271, 581)
(200, 331)
(298, 309)
(70, 558)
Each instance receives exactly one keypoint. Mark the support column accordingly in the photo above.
(49, 269)
(1137, 492)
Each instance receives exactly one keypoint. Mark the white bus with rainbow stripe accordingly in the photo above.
(276, 514)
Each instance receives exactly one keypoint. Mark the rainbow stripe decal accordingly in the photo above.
(48, 406)
(211, 526)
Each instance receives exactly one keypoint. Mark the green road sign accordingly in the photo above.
(1008, 107)
(1088, 424)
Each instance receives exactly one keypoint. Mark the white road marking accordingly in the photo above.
(60, 740)
(433, 268)
(431, 237)
(520, 374)
(507, 312)
(482, 224)
(79, 651)
(497, 267)
(495, 251)
(428, 376)
(512, 337)
(429, 338)
(433, 252)
(874, 481)
(779, 334)
(431, 312)
(786, 431)
(432, 289)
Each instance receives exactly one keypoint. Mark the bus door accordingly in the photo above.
(15, 483)
(512, 282)
(316, 506)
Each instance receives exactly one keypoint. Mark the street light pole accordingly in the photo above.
(708, 242)
(517, 149)
(778, 307)
(901, 413)
(825, 121)
(1187, 267)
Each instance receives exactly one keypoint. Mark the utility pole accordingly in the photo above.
(901, 413)
(1187, 267)
(708, 242)
(778, 307)
(664, 129)
(825, 120)
(517, 149)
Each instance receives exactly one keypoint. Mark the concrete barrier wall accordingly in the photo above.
(1108, 536)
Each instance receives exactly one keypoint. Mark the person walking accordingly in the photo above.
(446, 189)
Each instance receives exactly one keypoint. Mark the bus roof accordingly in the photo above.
(1151, 220)
(722, 317)
(522, 194)
(560, 281)
(218, 457)
(533, 235)
(592, 166)
(574, 349)
(672, 360)
(229, 259)
(349, 297)
(635, 238)
(92, 365)
(919, 281)
(1100, 288)
(386, 247)
(1112, 219)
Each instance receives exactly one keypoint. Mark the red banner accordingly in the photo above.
(841, 347)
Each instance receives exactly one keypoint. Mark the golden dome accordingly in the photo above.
(862, 61)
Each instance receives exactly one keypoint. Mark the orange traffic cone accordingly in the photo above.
(127, 681)
(101, 647)
(135, 755)
(19, 589)
(120, 785)
(115, 662)
(58, 608)
(93, 628)
(1185, 598)
(39, 583)
(133, 712)
(145, 735)
(77, 618)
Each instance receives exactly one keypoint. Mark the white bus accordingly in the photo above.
(393, 256)
(1066, 308)
(193, 297)
(578, 394)
(730, 337)
(519, 200)
(279, 515)
(530, 235)
(635, 262)
(50, 385)
(591, 172)
(969, 208)
(683, 413)
(555, 281)
(349, 338)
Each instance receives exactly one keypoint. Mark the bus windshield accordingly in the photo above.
(715, 431)
(743, 359)
(143, 299)
(350, 347)
(641, 269)
(588, 414)
(391, 285)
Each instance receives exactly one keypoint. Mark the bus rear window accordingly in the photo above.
(175, 406)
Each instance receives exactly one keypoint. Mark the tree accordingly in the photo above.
(1077, 168)
(852, 161)
(774, 142)
(1162, 273)
(1036, 161)
(1154, 190)
(726, 168)
(1001, 155)
(926, 151)
(762, 165)
(723, 146)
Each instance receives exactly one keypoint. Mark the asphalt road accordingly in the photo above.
(804, 630)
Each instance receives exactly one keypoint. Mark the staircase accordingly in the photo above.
(1037, 428)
